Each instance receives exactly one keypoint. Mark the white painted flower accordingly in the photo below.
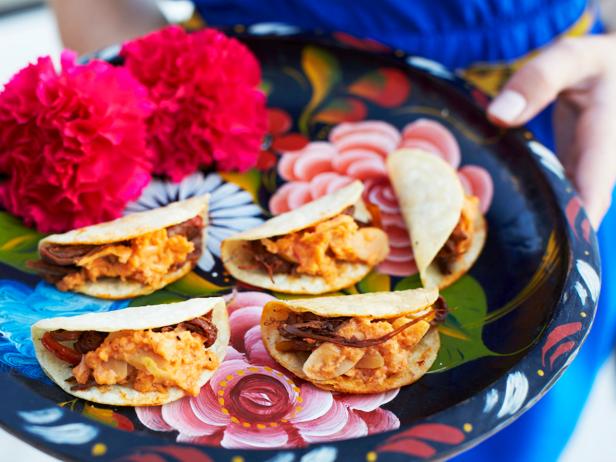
(273, 28)
(547, 158)
(430, 66)
(282, 457)
(42, 416)
(73, 433)
(491, 400)
(581, 291)
(516, 391)
(590, 277)
(231, 209)
(323, 454)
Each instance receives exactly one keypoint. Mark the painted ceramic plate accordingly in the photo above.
(517, 319)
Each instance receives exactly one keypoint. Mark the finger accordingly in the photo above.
(565, 64)
(595, 159)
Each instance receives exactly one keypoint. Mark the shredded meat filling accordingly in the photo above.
(306, 331)
(458, 244)
(147, 360)
(366, 349)
(145, 259)
(319, 250)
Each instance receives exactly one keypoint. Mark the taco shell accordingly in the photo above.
(136, 318)
(124, 229)
(236, 252)
(431, 200)
(386, 305)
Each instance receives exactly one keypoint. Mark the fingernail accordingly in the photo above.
(507, 106)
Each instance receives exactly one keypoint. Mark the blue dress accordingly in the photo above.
(473, 34)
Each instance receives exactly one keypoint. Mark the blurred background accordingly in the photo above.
(27, 30)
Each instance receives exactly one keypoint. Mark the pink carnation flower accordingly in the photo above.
(72, 143)
(251, 402)
(208, 107)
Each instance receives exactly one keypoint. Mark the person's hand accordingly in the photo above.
(580, 74)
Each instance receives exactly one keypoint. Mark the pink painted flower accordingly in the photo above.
(251, 402)
(357, 151)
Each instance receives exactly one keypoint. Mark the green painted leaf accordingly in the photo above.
(411, 282)
(157, 298)
(374, 282)
(461, 333)
(18, 243)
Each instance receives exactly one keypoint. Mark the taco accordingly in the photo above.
(140, 356)
(446, 226)
(364, 343)
(322, 246)
(133, 255)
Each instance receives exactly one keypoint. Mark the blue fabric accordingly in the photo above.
(459, 33)
(454, 32)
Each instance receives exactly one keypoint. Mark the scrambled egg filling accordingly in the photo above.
(318, 250)
(146, 259)
(373, 364)
(148, 361)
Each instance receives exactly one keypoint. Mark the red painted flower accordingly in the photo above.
(251, 402)
(72, 143)
(208, 107)
(279, 140)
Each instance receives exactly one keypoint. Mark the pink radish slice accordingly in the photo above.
(436, 134)
(320, 183)
(366, 126)
(481, 184)
(407, 268)
(278, 202)
(375, 142)
(342, 161)
(299, 195)
(466, 185)
(379, 197)
(338, 183)
(414, 143)
(398, 237)
(319, 147)
(400, 254)
(389, 219)
(286, 166)
(365, 169)
(310, 165)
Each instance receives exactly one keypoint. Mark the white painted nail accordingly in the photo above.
(507, 106)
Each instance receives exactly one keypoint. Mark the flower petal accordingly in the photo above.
(206, 408)
(355, 427)
(241, 299)
(379, 420)
(255, 349)
(330, 423)
(151, 417)
(370, 402)
(238, 436)
(181, 416)
(315, 403)
(241, 320)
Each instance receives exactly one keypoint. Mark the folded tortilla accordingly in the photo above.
(127, 228)
(416, 358)
(432, 201)
(137, 318)
(237, 254)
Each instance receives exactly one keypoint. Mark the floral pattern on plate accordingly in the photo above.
(21, 306)
(251, 402)
(231, 209)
